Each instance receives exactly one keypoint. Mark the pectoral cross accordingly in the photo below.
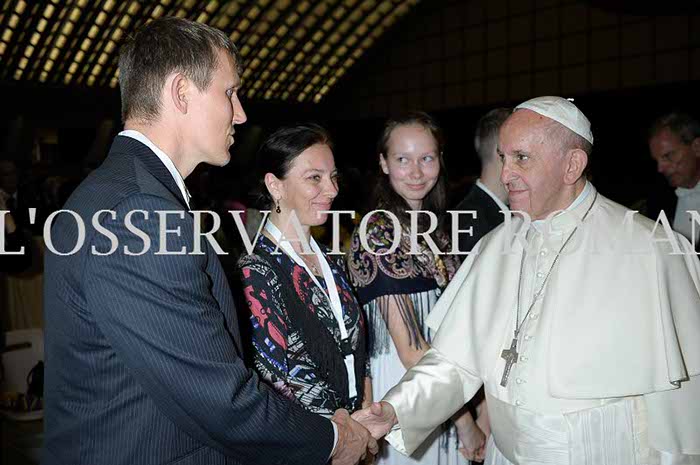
(510, 356)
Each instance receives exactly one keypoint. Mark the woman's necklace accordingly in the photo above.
(311, 265)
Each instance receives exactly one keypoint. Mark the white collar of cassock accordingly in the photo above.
(567, 220)
(179, 180)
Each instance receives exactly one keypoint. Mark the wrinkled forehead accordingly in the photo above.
(524, 124)
(528, 119)
(666, 136)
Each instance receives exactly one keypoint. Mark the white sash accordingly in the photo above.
(613, 434)
(330, 291)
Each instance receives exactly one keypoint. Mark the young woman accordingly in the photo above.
(399, 288)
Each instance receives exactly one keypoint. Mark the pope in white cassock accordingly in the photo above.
(583, 324)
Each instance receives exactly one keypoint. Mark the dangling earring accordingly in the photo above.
(277, 208)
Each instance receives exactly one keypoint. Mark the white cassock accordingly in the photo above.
(609, 355)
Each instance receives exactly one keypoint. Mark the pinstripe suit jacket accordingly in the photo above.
(143, 356)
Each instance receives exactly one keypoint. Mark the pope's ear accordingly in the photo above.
(382, 163)
(575, 166)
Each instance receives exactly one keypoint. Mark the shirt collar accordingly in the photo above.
(502, 206)
(683, 192)
(179, 180)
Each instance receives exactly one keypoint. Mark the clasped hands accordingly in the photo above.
(379, 418)
(357, 435)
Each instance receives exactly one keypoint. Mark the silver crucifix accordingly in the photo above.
(510, 356)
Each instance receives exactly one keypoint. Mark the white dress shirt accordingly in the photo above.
(688, 199)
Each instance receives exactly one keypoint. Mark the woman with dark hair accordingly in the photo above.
(308, 332)
(398, 284)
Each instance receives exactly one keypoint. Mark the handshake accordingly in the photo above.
(357, 435)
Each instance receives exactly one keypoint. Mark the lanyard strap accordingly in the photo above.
(330, 291)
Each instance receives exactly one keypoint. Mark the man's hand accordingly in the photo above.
(354, 441)
(379, 418)
(472, 440)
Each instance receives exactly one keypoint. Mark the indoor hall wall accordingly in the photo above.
(459, 53)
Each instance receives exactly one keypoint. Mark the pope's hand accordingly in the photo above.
(354, 441)
(378, 418)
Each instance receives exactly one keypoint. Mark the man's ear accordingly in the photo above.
(178, 92)
(274, 186)
(695, 147)
(575, 165)
(382, 163)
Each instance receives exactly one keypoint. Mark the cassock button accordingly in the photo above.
(519, 380)
(540, 274)
(523, 358)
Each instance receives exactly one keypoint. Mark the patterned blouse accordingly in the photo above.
(399, 276)
(295, 336)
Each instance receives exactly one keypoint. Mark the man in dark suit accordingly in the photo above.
(674, 143)
(487, 196)
(143, 356)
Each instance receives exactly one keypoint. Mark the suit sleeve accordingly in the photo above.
(158, 313)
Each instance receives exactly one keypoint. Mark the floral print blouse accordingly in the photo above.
(282, 300)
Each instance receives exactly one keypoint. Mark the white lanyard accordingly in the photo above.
(330, 291)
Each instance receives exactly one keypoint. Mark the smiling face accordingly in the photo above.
(534, 165)
(412, 163)
(310, 186)
(214, 112)
(677, 161)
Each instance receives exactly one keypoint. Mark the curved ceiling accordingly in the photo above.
(293, 50)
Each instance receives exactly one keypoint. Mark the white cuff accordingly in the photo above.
(335, 439)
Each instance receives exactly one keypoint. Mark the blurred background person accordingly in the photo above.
(21, 275)
(307, 328)
(674, 143)
(15, 239)
(398, 289)
(487, 197)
